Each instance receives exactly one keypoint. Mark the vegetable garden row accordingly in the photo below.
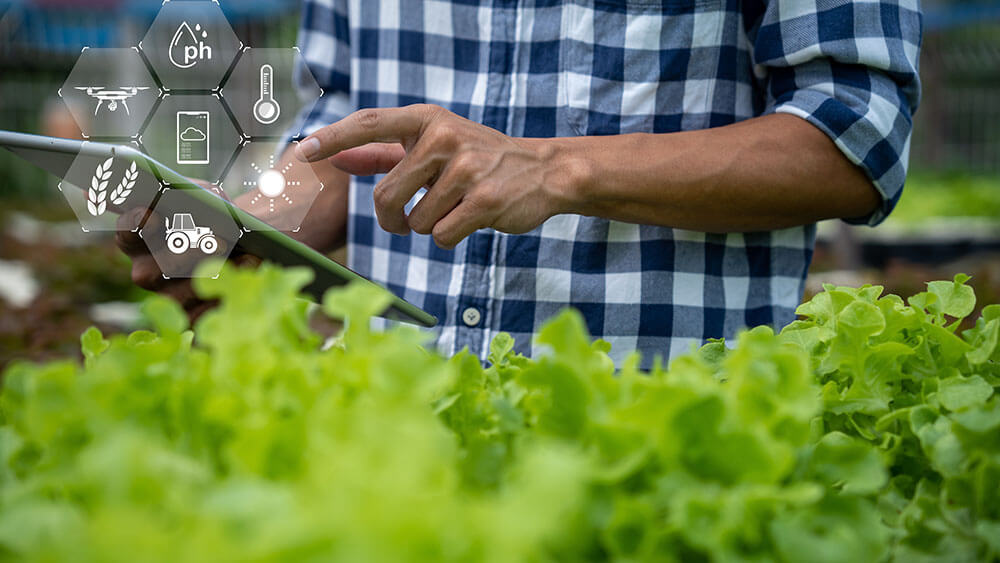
(869, 430)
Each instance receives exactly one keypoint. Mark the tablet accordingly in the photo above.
(57, 155)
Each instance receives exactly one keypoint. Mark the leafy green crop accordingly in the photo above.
(868, 431)
(900, 379)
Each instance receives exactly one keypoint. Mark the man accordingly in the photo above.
(658, 165)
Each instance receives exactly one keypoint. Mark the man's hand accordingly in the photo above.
(475, 176)
(146, 272)
(324, 228)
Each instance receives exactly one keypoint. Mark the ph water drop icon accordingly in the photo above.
(188, 47)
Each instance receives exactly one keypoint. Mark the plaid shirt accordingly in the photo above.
(547, 68)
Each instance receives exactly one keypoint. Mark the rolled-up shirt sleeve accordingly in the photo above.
(850, 69)
(325, 44)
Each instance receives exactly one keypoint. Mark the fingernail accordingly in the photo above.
(308, 148)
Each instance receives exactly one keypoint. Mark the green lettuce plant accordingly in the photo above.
(867, 431)
(901, 378)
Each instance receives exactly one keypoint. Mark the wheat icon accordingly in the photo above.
(97, 195)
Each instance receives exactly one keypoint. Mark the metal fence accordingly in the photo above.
(958, 124)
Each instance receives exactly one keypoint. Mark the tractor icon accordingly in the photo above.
(185, 235)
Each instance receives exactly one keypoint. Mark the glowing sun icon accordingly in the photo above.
(271, 184)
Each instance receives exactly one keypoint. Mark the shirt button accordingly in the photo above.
(471, 316)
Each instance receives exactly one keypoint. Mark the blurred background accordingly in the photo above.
(55, 282)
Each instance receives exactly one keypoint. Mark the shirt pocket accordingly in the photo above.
(629, 66)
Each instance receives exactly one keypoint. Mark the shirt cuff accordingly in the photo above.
(878, 140)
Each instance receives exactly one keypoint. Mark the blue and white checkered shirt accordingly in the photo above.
(549, 68)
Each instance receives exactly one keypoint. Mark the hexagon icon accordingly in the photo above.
(182, 232)
(100, 187)
(268, 89)
(110, 92)
(268, 182)
(192, 134)
(190, 45)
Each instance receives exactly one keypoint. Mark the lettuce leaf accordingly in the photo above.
(868, 430)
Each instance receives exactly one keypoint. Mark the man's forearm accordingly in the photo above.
(766, 173)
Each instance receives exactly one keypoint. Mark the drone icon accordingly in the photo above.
(102, 94)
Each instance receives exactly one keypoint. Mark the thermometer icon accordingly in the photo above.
(266, 110)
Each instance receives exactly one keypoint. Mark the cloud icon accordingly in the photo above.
(192, 134)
